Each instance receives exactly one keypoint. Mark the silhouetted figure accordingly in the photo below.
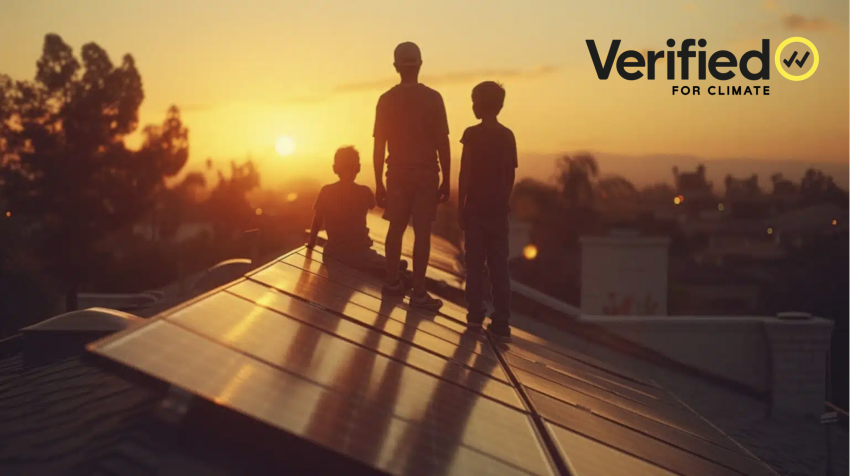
(342, 207)
(411, 125)
(487, 172)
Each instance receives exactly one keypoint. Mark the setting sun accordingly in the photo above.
(285, 145)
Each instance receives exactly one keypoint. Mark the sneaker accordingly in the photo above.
(395, 289)
(425, 301)
(501, 333)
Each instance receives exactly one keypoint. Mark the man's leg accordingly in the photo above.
(393, 249)
(474, 262)
(400, 195)
(424, 212)
(421, 254)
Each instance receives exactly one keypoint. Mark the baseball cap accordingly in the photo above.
(407, 54)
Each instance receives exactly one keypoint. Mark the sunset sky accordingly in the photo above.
(245, 73)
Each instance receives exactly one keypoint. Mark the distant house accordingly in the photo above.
(798, 226)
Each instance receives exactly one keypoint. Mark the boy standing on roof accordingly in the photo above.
(411, 124)
(487, 172)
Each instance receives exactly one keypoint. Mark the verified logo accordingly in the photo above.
(791, 63)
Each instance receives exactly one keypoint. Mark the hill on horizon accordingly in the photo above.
(649, 169)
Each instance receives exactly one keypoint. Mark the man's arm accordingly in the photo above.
(378, 156)
(379, 152)
(318, 220)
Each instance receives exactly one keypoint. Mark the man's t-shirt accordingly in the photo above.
(488, 168)
(343, 206)
(412, 119)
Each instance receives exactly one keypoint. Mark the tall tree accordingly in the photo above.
(576, 176)
(65, 166)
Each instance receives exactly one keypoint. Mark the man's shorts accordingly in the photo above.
(412, 195)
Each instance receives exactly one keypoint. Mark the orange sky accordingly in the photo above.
(245, 73)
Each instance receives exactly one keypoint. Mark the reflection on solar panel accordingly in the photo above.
(308, 348)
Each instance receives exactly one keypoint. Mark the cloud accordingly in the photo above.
(770, 5)
(452, 78)
(798, 22)
(690, 7)
(386, 83)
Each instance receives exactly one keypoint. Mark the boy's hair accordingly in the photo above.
(489, 96)
(346, 157)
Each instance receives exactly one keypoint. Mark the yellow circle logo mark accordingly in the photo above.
(778, 58)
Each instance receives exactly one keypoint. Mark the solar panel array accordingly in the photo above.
(308, 347)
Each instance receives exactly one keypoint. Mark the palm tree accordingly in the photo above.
(576, 176)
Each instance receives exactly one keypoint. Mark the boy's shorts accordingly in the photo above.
(412, 195)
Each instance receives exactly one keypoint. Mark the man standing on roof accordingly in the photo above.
(411, 125)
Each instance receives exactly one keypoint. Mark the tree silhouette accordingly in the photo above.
(576, 176)
(228, 203)
(65, 167)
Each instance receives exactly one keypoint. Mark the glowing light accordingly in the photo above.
(259, 211)
(834, 222)
(677, 200)
(770, 231)
(285, 145)
(291, 197)
(529, 252)
(8, 214)
(720, 207)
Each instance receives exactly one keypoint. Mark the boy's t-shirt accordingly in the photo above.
(343, 206)
(412, 119)
(488, 168)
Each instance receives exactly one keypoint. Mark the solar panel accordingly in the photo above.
(652, 427)
(334, 296)
(441, 429)
(308, 346)
(461, 348)
(561, 387)
(587, 457)
(587, 424)
(570, 357)
(299, 348)
(315, 262)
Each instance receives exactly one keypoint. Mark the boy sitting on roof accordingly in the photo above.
(342, 207)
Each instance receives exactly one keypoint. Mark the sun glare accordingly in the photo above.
(285, 145)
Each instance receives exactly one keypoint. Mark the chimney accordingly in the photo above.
(799, 346)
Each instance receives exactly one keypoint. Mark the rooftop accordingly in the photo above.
(303, 366)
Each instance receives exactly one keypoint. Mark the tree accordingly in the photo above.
(817, 187)
(66, 169)
(576, 176)
(228, 203)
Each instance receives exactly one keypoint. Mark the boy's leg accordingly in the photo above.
(474, 256)
(497, 246)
